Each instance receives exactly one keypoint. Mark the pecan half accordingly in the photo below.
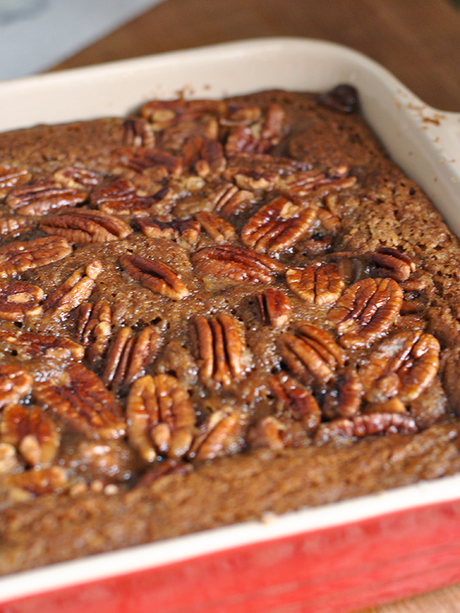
(343, 98)
(402, 366)
(143, 158)
(74, 291)
(15, 384)
(296, 401)
(392, 263)
(129, 355)
(11, 177)
(14, 226)
(304, 183)
(121, 197)
(235, 264)
(19, 256)
(274, 307)
(160, 417)
(165, 469)
(228, 199)
(364, 425)
(277, 226)
(94, 327)
(137, 132)
(79, 398)
(155, 276)
(218, 229)
(220, 435)
(39, 481)
(316, 284)
(257, 135)
(185, 232)
(222, 351)
(311, 354)
(366, 311)
(163, 114)
(204, 155)
(32, 431)
(344, 400)
(43, 196)
(28, 346)
(86, 226)
(19, 300)
(76, 178)
(268, 432)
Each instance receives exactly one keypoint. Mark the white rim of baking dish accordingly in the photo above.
(423, 140)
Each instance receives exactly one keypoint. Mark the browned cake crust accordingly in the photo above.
(210, 311)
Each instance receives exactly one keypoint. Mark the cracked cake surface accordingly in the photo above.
(211, 310)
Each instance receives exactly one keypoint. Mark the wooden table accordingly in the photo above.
(417, 40)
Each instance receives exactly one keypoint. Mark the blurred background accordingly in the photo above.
(36, 34)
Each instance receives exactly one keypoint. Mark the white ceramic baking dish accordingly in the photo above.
(339, 557)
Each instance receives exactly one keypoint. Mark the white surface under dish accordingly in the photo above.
(425, 142)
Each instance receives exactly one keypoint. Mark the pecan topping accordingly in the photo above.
(236, 264)
(74, 291)
(274, 306)
(312, 354)
(364, 425)
(14, 226)
(259, 135)
(28, 346)
(79, 398)
(218, 229)
(76, 178)
(86, 226)
(20, 299)
(222, 434)
(343, 98)
(160, 417)
(345, 399)
(155, 276)
(392, 263)
(185, 232)
(268, 432)
(15, 384)
(94, 327)
(316, 284)
(403, 366)
(9, 463)
(137, 132)
(32, 431)
(204, 155)
(221, 350)
(277, 226)
(143, 158)
(296, 401)
(12, 177)
(304, 183)
(228, 199)
(121, 197)
(366, 310)
(164, 469)
(20, 256)
(163, 114)
(43, 196)
(39, 481)
(129, 355)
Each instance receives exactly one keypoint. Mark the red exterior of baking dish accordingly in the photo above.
(331, 570)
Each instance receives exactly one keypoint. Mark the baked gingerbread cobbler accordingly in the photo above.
(213, 310)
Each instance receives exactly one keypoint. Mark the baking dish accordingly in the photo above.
(334, 558)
